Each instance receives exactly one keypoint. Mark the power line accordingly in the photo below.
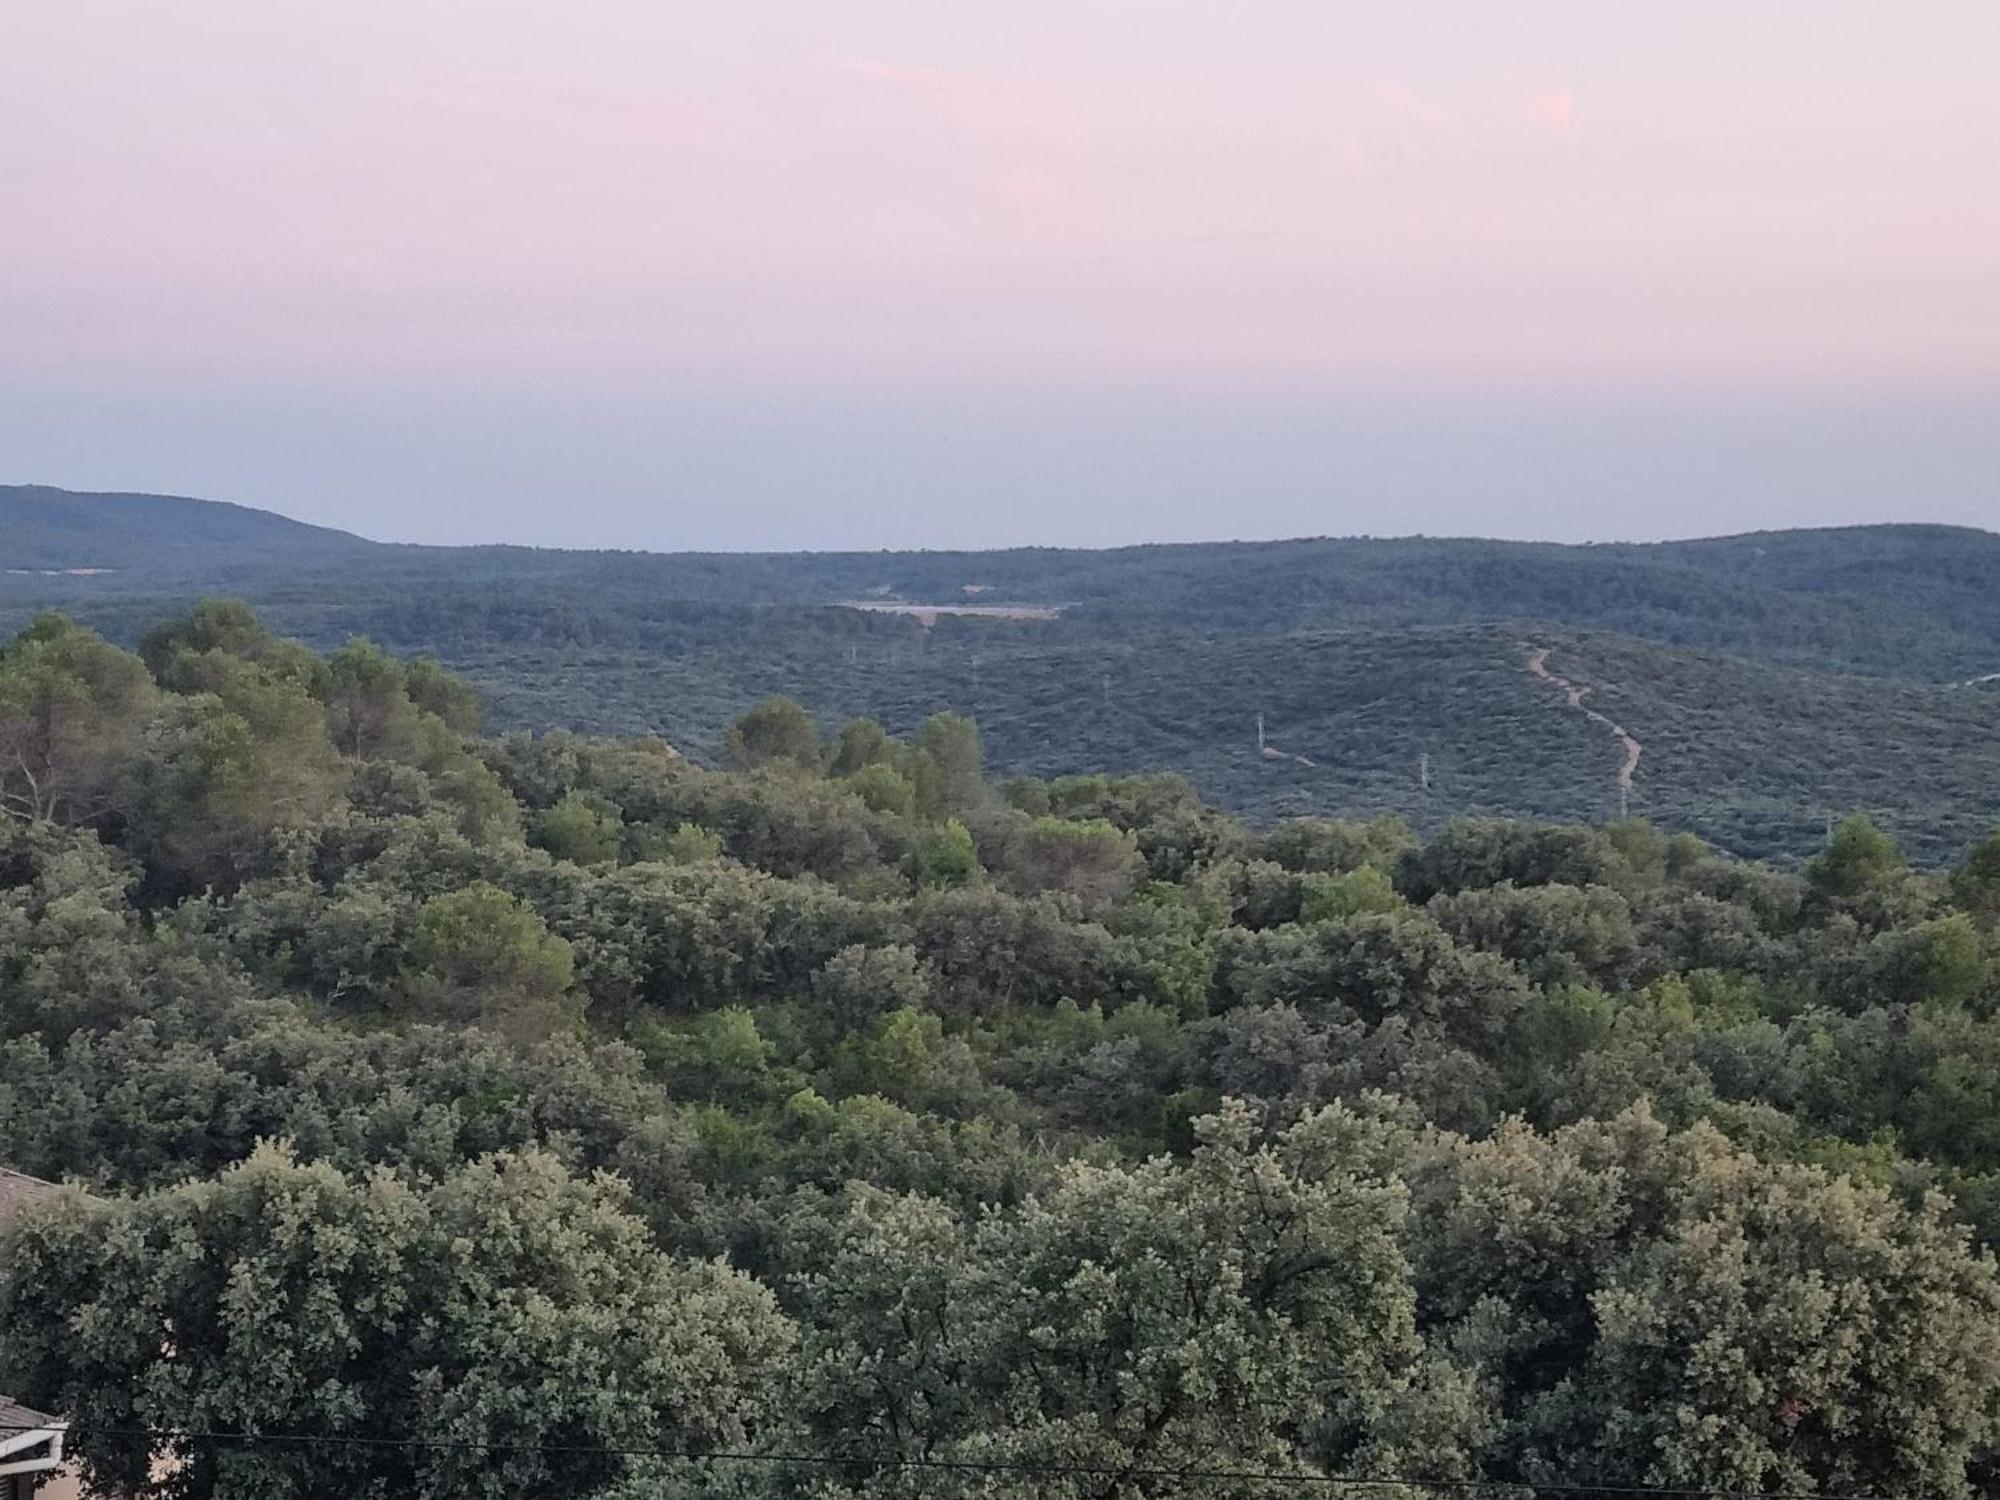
(1024, 1468)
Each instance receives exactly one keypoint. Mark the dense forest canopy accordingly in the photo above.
(1431, 725)
(561, 1110)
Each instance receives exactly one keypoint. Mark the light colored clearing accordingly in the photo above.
(928, 614)
(61, 572)
(1538, 664)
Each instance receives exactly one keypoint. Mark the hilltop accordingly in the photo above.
(158, 536)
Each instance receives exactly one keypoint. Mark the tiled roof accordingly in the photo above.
(16, 1418)
(17, 1189)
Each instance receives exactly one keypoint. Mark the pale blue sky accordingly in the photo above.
(830, 273)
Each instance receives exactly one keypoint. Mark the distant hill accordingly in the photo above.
(1752, 756)
(1773, 679)
(1912, 601)
(157, 536)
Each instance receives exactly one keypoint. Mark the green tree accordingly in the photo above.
(1654, 1308)
(1859, 859)
(435, 691)
(1559, 934)
(520, 1315)
(1331, 847)
(776, 732)
(74, 953)
(1975, 884)
(1327, 897)
(1478, 852)
(902, 1055)
(691, 844)
(862, 743)
(480, 957)
(583, 827)
(1943, 961)
(1089, 859)
(187, 654)
(948, 766)
(1196, 1314)
(226, 625)
(884, 789)
(720, 1055)
(859, 983)
(1370, 968)
(73, 709)
(369, 714)
(231, 774)
(944, 857)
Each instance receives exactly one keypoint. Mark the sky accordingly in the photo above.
(824, 274)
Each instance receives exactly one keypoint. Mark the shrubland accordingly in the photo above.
(565, 1111)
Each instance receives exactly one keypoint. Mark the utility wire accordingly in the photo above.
(960, 1465)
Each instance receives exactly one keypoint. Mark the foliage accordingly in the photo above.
(552, 1089)
(777, 731)
(479, 956)
(72, 709)
(581, 827)
(1088, 859)
(1171, 1315)
(943, 857)
(508, 1305)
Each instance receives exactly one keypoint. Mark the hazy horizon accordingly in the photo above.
(832, 274)
(1147, 472)
(1219, 539)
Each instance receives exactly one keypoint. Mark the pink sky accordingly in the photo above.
(1664, 196)
(1274, 192)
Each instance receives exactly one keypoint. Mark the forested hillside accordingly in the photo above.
(155, 539)
(1900, 601)
(465, 1114)
(1429, 725)
(1775, 681)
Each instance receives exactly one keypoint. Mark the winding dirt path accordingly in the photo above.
(1538, 665)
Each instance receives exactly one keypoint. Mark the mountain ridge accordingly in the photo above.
(42, 526)
(1896, 600)
(15, 494)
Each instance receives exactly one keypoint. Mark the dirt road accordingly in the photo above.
(1538, 665)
